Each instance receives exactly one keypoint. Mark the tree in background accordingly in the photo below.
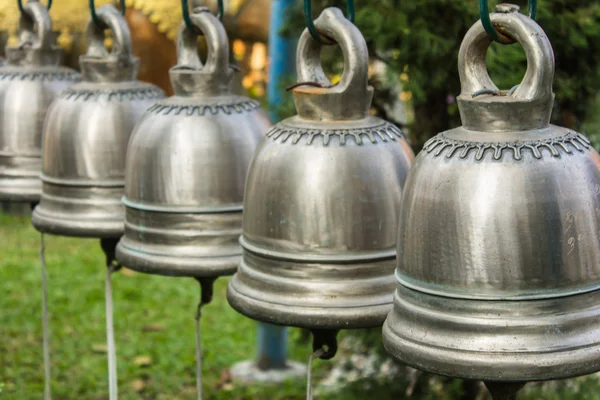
(421, 39)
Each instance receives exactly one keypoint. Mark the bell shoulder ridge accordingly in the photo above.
(203, 106)
(39, 74)
(372, 130)
(566, 143)
(134, 90)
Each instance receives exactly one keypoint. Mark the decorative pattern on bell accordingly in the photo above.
(321, 200)
(498, 243)
(187, 163)
(86, 134)
(30, 79)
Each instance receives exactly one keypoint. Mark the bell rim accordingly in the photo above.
(448, 355)
(163, 265)
(28, 191)
(81, 228)
(371, 316)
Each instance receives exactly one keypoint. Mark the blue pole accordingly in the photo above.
(272, 339)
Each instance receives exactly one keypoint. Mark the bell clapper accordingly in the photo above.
(324, 347)
(206, 294)
(109, 246)
(45, 319)
(504, 390)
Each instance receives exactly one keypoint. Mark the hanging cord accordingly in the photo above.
(185, 8)
(108, 246)
(95, 16)
(206, 294)
(20, 4)
(311, 25)
(45, 321)
(489, 27)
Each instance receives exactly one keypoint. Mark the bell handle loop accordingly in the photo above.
(22, 10)
(185, 9)
(112, 19)
(538, 79)
(311, 25)
(217, 59)
(93, 14)
(332, 24)
(35, 14)
(489, 27)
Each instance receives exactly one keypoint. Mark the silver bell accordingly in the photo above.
(187, 163)
(29, 80)
(321, 200)
(85, 138)
(498, 248)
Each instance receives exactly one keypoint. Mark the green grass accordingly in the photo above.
(76, 275)
(154, 318)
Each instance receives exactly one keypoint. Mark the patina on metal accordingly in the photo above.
(86, 134)
(321, 202)
(30, 79)
(187, 164)
(498, 247)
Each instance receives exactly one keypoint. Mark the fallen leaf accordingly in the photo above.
(99, 348)
(142, 361)
(153, 328)
(138, 385)
(127, 271)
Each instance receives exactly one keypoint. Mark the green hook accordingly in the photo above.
(20, 4)
(310, 24)
(487, 22)
(95, 16)
(188, 21)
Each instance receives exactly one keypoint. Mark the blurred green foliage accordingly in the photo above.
(422, 38)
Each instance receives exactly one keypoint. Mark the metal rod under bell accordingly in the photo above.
(45, 322)
(109, 246)
(206, 294)
(504, 390)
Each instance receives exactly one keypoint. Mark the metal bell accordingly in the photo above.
(29, 80)
(498, 247)
(187, 163)
(321, 200)
(86, 133)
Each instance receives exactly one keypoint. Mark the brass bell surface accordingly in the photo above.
(86, 134)
(321, 200)
(498, 248)
(30, 79)
(187, 163)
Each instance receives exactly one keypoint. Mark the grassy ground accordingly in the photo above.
(155, 336)
(153, 321)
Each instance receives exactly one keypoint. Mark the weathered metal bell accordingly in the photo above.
(321, 200)
(29, 80)
(498, 249)
(85, 137)
(187, 163)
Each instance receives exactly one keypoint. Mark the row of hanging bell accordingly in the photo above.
(187, 163)
(321, 201)
(86, 134)
(30, 80)
(498, 249)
